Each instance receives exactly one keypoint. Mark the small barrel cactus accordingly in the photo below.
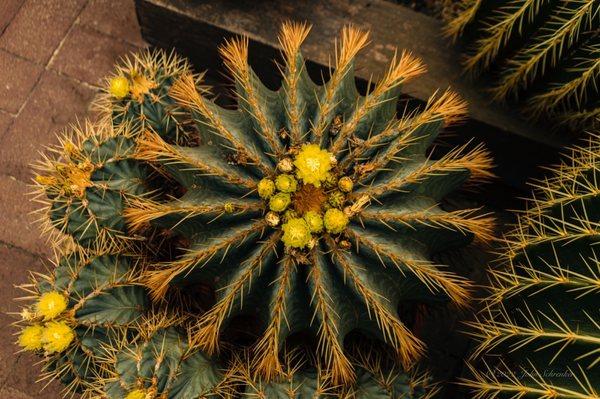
(312, 210)
(137, 93)
(540, 333)
(547, 52)
(84, 183)
(87, 304)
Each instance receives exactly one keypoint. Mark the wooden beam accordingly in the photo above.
(196, 28)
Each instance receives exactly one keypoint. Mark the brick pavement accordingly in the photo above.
(53, 54)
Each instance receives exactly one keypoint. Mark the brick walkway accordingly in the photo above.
(53, 54)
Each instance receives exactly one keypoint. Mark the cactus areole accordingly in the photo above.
(314, 209)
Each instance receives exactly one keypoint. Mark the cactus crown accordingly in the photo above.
(555, 66)
(549, 347)
(313, 209)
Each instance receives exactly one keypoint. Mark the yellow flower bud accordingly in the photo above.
(50, 305)
(313, 164)
(315, 221)
(57, 336)
(296, 233)
(345, 184)
(279, 202)
(286, 183)
(335, 221)
(119, 87)
(31, 337)
(136, 394)
(336, 199)
(266, 188)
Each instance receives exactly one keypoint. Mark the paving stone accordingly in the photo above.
(5, 121)
(25, 378)
(89, 55)
(18, 76)
(116, 18)
(15, 264)
(18, 227)
(8, 9)
(12, 393)
(38, 28)
(54, 103)
(18, 370)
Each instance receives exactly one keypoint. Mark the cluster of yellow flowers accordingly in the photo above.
(52, 336)
(138, 394)
(312, 166)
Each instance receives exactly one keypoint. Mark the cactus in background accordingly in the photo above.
(312, 210)
(543, 314)
(547, 52)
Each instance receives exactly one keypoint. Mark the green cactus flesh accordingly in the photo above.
(542, 317)
(547, 52)
(309, 210)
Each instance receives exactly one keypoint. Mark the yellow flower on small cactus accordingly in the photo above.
(313, 164)
(314, 220)
(296, 233)
(266, 188)
(31, 337)
(50, 305)
(286, 183)
(279, 202)
(57, 336)
(335, 221)
(119, 87)
(136, 394)
(45, 180)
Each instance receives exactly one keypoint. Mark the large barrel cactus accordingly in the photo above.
(547, 52)
(305, 215)
(540, 332)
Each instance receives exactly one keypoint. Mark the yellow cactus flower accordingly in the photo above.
(335, 221)
(286, 183)
(136, 394)
(313, 164)
(314, 220)
(119, 87)
(296, 233)
(279, 202)
(31, 337)
(50, 305)
(266, 188)
(57, 336)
